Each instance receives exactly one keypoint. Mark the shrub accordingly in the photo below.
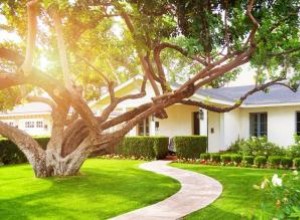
(143, 147)
(236, 158)
(248, 160)
(215, 157)
(286, 162)
(294, 150)
(235, 146)
(274, 161)
(281, 196)
(10, 153)
(297, 163)
(226, 158)
(256, 146)
(161, 147)
(190, 147)
(260, 161)
(205, 156)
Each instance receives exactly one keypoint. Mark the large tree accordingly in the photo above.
(91, 44)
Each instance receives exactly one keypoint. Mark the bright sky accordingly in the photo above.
(246, 77)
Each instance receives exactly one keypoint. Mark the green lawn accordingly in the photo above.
(239, 199)
(105, 189)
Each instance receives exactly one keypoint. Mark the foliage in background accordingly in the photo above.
(10, 153)
(256, 146)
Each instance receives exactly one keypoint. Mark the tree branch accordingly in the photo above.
(31, 36)
(237, 104)
(62, 49)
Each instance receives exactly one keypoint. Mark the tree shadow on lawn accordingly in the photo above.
(95, 194)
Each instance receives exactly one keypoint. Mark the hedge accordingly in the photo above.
(190, 147)
(286, 162)
(205, 156)
(297, 163)
(236, 158)
(274, 161)
(260, 161)
(215, 157)
(10, 153)
(143, 147)
(226, 158)
(248, 160)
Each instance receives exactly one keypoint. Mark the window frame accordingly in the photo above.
(296, 123)
(146, 127)
(259, 125)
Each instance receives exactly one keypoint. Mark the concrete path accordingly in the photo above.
(197, 191)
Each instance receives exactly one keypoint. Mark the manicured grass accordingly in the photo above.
(104, 189)
(239, 199)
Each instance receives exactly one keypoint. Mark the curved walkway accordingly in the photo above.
(197, 191)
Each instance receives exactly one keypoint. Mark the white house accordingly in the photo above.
(33, 118)
(182, 119)
(275, 114)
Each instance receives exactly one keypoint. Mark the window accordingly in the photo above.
(143, 128)
(39, 124)
(258, 124)
(298, 123)
(11, 123)
(29, 124)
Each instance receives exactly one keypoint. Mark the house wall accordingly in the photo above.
(230, 126)
(20, 120)
(281, 123)
(179, 121)
(215, 137)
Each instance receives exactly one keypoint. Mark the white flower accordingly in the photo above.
(264, 184)
(295, 172)
(276, 181)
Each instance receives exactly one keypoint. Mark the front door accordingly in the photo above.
(196, 123)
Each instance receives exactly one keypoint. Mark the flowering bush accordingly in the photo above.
(284, 194)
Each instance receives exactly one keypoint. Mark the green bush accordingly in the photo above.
(236, 158)
(256, 146)
(143, 147)
(226, 158)
(274, 161)
(286, 162)
(205, 156)
(294, 150)
(190, 147)
(215, 157)
(248, 160)
(260, 161)
(297, 163)
(161, 147)
(10, 153)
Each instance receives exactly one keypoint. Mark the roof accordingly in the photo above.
(276, 94)
(29, 108)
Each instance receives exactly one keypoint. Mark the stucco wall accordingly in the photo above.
(214, 132)
(281, 123)
(230, 126)
(179, 121)
(19, 121)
